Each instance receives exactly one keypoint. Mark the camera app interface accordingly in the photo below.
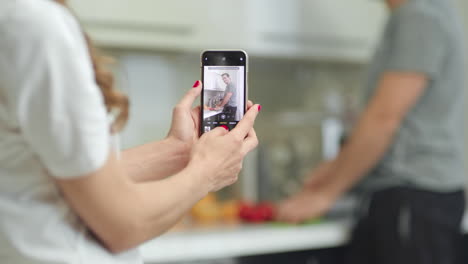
(223, 96)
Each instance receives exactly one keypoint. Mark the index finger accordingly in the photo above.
(245, 125)
(191, 95)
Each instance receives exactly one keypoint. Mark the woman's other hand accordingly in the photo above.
(219, 154)
(185, 119)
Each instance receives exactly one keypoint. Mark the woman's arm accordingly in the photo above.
(157, 160)
(124, 214)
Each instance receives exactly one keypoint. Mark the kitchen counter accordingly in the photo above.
(244, 241)
(249, 240)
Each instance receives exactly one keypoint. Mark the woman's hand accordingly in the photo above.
(185, 119)
(218, 155)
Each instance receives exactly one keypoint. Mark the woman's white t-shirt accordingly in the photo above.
(53, 124)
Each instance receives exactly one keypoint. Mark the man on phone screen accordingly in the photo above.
(229, 103)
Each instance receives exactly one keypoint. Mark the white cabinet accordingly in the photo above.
(139, 23)
(320, 29)
(307, 29)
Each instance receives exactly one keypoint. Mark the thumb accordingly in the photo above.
(219, 131)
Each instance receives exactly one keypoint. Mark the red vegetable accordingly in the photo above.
(259, 213)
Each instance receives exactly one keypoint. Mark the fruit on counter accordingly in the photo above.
(230, 211)
(210, 211)
(206, 211)
(256, 213)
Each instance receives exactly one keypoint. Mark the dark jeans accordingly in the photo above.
(403, 225)
(227, 115)
(230, 111)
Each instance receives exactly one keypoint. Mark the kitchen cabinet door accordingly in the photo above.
(316, 29)
(165, 25)
(305, 29)
(222, 24)
(342, 28)
(320, 256)
(139, 24)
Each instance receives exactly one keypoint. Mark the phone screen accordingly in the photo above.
(224, 88)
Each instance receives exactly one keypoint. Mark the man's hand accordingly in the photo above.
(307, 204)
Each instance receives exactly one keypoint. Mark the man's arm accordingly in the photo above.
(225, 100)
(397, 93)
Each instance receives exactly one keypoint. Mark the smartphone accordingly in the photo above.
(224, 95)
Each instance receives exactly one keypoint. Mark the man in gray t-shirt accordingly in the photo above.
(229, 102)
(407, 148)
(230, 93)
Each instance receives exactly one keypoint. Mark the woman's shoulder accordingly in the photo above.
(36, 20)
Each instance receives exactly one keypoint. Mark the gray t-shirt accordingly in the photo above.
(231, 88)
(424, 36)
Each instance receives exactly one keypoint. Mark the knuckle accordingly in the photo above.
(177, 108)
(237, 139)
(255, 142)
(234, 179)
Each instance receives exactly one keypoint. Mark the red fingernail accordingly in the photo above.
(259, 108)
(196, 84)
(225, 127)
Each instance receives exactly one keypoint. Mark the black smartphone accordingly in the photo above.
(224, 95)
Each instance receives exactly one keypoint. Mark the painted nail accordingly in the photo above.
(196, 84)
(225, 127)
(259, 108)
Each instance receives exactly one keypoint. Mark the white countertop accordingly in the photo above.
(244, 241)
(247, 241)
